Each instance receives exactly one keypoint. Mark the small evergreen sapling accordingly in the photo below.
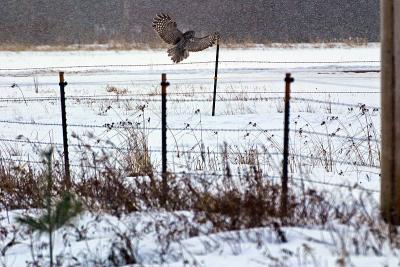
(57, 212)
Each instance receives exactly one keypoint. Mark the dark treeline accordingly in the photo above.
(100, 21)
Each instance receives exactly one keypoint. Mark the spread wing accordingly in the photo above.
(198, 44)
(166, 28)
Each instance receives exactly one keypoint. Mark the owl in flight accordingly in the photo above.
(183, 43)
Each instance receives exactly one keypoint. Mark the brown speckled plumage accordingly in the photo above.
(183, 43)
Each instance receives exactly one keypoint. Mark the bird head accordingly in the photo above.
(189, 34)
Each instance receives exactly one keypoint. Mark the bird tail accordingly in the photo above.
(178, 53)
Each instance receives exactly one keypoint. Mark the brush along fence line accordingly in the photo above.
(355, 186)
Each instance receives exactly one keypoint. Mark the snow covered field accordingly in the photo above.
(335, 123)
(349, 76)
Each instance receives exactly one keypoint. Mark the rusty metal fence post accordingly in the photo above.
(284, 195)
(67, 179)
(215, 79)
(164, 85)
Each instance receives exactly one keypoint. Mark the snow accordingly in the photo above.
(322, 75)
(255, 247)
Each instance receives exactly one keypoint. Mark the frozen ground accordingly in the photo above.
(334, 143)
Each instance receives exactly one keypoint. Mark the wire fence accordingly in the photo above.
(183, 97)
(128, 124)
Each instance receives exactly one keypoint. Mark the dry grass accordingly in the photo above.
(112, 46)
(224, 202)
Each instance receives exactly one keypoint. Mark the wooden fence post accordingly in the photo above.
(390, 106)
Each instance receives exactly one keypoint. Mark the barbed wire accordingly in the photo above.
(205, 152)
(334, 135)
(193, 100)
(178, 151)
(154, 82)
(335, 103)
(29, 99)
(241, 98)
(38, 123)
(213, 130)
(21, 160)
(129, 126)
(300, 62)
(16, 141)
(33, 162)
(318, 81)
(190, 63)
(155, 94)
(328, 159)
(244, 99)
(183, 100)
(202, 173)
(355, 186)
(180, 81)
(227, 78)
